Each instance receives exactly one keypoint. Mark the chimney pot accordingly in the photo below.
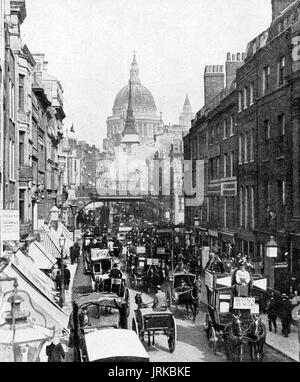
(238, 56)
(233, 57)
(228, 56)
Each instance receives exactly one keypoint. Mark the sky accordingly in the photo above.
(89, 45)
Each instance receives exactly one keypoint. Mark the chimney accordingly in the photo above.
(234, 61)
(279, 6)
(213, 81)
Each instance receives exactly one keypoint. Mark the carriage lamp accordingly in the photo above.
(271, 247)
(196, 221)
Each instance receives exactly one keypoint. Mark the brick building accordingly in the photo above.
(252, 182)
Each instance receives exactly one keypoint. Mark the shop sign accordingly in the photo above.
(140, 250)
(229, 189)
(10, 225)
(161, 251)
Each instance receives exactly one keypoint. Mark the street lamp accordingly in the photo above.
(271, 254)
(271, 248)
(20, 339)
(62, 242)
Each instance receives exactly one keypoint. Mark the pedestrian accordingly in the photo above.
(272, 312)
(53, 275)
(67, 277)
(76, 252)
(285, 314)
(72, 254)
(55, 351)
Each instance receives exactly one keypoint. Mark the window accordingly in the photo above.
(267, 130)
(225, 129)
(240, 149)
(266, 79)
(251, 145)
(231, 125)
(252, 208)
(282, 192)
(231, 163)
(225, 212)
(251, 94)
(240, 101)
(22, 205)
(225, 165)
(281, 124)
(281, 71)
(21, 92)
(246, 148)
(217, 168)
(11, 100)
(246, 207)
(267, 192)
(245, 98)
(241, 206)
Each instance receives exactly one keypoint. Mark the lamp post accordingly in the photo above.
(62, 242)
(18, 336)
(271, 253)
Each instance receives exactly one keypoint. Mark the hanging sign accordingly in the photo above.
(10, 225)
(244, 303)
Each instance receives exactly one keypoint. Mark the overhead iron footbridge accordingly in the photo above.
(89, 195)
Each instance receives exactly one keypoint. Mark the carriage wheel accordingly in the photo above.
(171, 342)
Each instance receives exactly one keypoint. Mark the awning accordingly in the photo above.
(29, 269)
(42, 310)
(42, 258)
(90, 206)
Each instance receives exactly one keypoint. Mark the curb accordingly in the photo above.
(281, 352)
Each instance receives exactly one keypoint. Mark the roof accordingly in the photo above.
(109, 343)
(108, 299)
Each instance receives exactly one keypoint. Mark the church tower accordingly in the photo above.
(130, 136)
(187, 115)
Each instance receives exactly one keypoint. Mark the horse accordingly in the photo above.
(234, 338)
(190, 299)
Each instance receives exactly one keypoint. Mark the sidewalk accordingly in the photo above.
(288, 346)
(67, 308)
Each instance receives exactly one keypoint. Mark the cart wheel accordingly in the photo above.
(171, 342)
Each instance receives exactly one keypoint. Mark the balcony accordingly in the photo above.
(25, 173)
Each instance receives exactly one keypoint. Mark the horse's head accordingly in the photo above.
(236, 324)
(257, 319)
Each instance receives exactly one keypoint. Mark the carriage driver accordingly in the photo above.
(159, 300)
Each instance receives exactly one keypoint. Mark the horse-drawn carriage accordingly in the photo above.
(101, 265)
(233, 319)
(93, 312)
(144, 270)
(182, 289)
(151, 322)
